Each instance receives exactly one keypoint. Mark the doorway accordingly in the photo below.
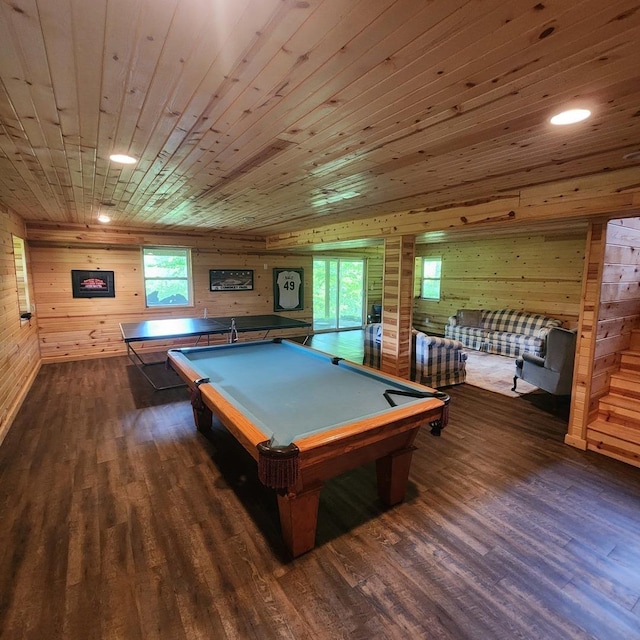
(338, 293)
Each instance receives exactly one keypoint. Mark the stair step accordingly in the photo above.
(625, 383)
(635, 340)
(619, 409)
(630, 360)
(599, 430)
(616, 431)
(623, 374)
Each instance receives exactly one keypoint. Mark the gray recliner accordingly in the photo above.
(554, 372)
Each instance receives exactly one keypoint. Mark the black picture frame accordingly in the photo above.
(93, 284)
(288, 289)
(231, 280)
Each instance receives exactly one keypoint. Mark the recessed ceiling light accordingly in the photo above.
(570, 117)
(103, 218)
(122, 159)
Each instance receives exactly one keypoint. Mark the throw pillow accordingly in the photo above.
(470, 317)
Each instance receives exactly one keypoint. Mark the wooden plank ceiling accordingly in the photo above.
(266, 116)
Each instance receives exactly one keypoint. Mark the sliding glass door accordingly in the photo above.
(338, 293)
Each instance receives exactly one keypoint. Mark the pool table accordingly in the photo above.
(306, 416)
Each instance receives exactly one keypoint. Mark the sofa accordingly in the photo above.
(435, 362)
(506, 332)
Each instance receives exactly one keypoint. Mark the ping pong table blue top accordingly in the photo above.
(185, 327)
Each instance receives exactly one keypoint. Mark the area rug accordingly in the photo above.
(494, 373)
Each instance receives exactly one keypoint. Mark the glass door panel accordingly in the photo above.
(338, 292)
(350, 293)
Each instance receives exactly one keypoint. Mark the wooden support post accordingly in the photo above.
(587, 333)
(397, 305)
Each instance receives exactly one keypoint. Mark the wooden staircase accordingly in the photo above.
(616, 431)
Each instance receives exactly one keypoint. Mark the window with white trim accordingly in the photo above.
(167, 276)
(430, 277)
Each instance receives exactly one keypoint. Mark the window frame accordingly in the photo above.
(168, 250)
(21, 269)
(422, 279)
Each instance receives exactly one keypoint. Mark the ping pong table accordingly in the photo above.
(176, 328)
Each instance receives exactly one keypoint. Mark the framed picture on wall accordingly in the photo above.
(92, 284)
(231, 280)
(288, 289)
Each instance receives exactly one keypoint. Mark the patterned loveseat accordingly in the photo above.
(507, 332)
(436, 362)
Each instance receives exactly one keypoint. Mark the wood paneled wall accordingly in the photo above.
(19, 355)
(75, 328)
(537, 273)
(611, 309)
(619, 308)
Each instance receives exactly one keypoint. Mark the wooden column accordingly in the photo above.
(581, 392)
(397, 305)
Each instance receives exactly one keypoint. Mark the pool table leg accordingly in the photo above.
(203, 418)
(393, 475)
(299, 519)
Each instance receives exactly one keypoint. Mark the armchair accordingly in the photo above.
(376, 313)
(439, 362)
(552, 373)
(435, 362)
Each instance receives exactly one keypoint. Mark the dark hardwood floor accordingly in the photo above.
(119, 520)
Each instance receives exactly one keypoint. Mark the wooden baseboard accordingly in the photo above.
(86, 356)
(17, 403)
(574, 441)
